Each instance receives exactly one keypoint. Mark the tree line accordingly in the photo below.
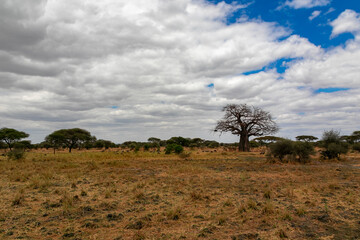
(82, 139)
(239, 119)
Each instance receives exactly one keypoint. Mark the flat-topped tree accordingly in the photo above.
(11, 136)
(356, 136)
(267, 139)
(69, 137)
(246, 121)
(306, 138)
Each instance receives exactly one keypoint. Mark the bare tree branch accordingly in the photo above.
(246, 121)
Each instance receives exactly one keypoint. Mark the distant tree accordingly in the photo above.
(306, 138)
(88, 144)
(101, 143)
(356, 136)
(154, 140)
(333, 145)
(54, 140)
(69, 137)
(331, 136)
(348, 139)
(356, 147)
(265, 140)
(24, 144)
(185, 142)
(211, 144)
(154, 143)
(10, 136)
(246, 121)
(196, 142)
(173, 148)
(254, 144)
(146, 147)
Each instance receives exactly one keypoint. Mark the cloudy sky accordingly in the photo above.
(130, 70)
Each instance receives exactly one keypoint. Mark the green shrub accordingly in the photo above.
(303, 150)
(146, 147)
(178, 149)
(16, 154)
(287, 150)
(356, 147)
(333, 145)
(137, 148)
(173, 148)
(333, 150)
(281, 148)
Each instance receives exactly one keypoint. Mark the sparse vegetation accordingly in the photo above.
(215, 194)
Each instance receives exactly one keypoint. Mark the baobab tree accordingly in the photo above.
(246, 121)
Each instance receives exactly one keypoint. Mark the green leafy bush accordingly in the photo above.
(303, 150)
(356, 147)
(286, 150)
(333, 150)
(173, 148)
(16, 154)
(146, 147)
(281, 148)
(334, 147)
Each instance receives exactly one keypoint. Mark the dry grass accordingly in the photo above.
(205, 195)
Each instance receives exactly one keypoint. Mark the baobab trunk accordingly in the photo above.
(244, 145)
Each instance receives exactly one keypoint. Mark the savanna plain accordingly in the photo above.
(204, 194)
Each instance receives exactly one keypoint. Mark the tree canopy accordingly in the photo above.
(11, 136)
(306, 138)
(246, 121)
(69, 137)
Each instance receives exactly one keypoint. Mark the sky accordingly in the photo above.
(130, 70)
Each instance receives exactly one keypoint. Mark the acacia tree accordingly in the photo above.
(55, 140)
(10, 136)
(306, 138)
(246, 121)
(68, 137)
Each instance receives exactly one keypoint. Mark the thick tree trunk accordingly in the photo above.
(244, 145)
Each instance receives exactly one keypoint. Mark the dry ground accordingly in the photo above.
(211, 195)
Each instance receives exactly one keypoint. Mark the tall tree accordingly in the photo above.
(55, 140)
(246, 121)
(69, 137)
(10, 136)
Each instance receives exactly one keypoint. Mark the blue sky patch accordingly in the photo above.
(297, 21)
(253, 72)
(114, 107)
(330, 90)
(280, 65)
(211, 85)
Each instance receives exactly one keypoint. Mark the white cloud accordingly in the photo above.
(306, 3)
(314, 14)
(348, 21)
(153, 61)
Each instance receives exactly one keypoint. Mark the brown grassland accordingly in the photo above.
(207, 195)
